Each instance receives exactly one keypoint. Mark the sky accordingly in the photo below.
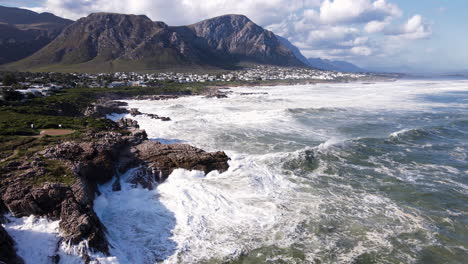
(410, 35)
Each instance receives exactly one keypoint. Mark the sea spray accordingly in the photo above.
(36, 238)
(325, 173)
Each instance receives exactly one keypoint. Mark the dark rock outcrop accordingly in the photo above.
(72, 205)
(105, 107)
(153, 116)
(215, 92)
(159, 97)
(134, 112)
(137, 136)
(24, 200)
(93, 160)
(78, 219)
(217, 95)
(163, 159)
(127, 123)
(7, 249)
(162, 118)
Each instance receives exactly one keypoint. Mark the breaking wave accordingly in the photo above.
(336, 173)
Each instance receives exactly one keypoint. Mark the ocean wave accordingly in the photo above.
(433, 133)
(177, 106)
(319, 110)
(316, 175)
(411, 133)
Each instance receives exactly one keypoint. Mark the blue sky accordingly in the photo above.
(423, 35)
(448, 44)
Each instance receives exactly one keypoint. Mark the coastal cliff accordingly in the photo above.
(86, 162)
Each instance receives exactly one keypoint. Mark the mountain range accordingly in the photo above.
(322, 64)
(110, 42)
(118, 42)
(334, 65)
(23, 32)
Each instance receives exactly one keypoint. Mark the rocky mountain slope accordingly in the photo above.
(118, 42)
(238, 38)
(294, 49)
(23, 32)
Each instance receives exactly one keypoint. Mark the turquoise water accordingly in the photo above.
(327, 173)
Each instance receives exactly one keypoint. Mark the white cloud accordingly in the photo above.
(356, 11)
(375, 26)
(179, 12)
(413, 24)
(335, 34)
(356, 42)
(356, 29)
(361, 50)
(311, 16)
(414, 28)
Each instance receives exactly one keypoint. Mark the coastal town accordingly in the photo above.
(44, 84)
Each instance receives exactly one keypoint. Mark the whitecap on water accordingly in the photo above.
(36, 238)
(328, 212)
(38, 241)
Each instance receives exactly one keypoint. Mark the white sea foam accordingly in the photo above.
(38, 241)
(330, 142)
(396, 134)
(36, 238)
(193, 217)
(260, 202)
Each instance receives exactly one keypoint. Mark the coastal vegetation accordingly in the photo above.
(56, 148)
(21, 121)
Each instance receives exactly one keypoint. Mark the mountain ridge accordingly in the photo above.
(23, 32)
(334, 65)
(112, 42)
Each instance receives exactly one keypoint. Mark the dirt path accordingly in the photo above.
(55, 132)
(15, 152)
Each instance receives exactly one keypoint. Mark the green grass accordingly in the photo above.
(56, 172)
(19, 124)
(65, 107)
(162, 63)
(25, 147)
(8, 144)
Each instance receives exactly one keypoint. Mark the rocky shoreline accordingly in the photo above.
(94, 159)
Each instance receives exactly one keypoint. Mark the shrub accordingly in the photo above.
(11, 95)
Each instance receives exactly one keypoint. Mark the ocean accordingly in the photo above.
(324, 173)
